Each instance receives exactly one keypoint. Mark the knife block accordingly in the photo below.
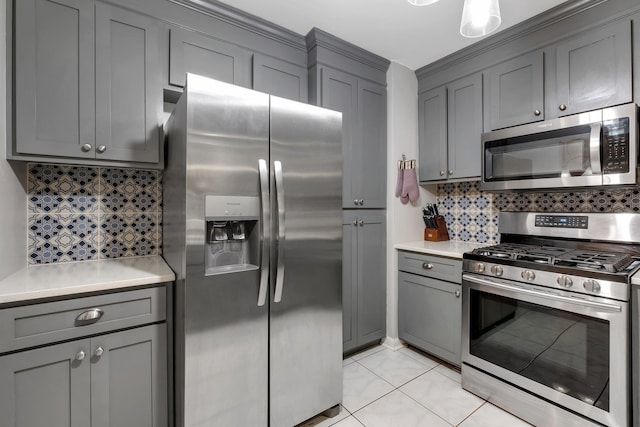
(438, 234)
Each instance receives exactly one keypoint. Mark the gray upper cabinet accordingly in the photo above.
(128, 86)
(432, 107)
(450, 120)
(280, 78)
(54, 78)
(594, 69)
(514, 92)
(88, 86)
(191, 52)
(364, 278)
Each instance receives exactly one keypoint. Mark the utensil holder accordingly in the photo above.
(438, 234)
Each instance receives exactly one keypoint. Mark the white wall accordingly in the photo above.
(404, 222)
(13, 211)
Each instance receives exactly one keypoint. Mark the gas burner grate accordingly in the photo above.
(607, 261)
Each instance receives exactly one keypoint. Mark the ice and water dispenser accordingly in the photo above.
(232, 234)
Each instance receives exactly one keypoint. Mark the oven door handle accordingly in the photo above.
(552, 297)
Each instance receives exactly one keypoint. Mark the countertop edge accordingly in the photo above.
(449, 249)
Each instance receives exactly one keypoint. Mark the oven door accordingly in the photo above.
(566, 348)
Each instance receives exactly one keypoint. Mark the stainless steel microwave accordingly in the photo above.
(590, 149)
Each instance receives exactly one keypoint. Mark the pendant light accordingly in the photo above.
(422, 2)
(479, 17)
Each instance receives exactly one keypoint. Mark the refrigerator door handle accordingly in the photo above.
(265, 230)
(277, 167)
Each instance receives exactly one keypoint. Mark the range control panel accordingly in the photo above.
(562, 221)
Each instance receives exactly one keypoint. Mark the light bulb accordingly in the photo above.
(480, 17)
(422, 2)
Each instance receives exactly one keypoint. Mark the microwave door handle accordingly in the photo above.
(594, 148)
(265, 230)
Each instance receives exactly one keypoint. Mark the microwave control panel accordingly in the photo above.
(562, 221)
(615, 146)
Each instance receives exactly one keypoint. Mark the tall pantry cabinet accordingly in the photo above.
(345, 78)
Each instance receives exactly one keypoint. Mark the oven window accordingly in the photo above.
(552, 154)
(559, 349)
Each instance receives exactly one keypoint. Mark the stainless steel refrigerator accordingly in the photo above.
(253, 229)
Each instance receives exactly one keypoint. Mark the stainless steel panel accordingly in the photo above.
(221, 333)
(306, 326)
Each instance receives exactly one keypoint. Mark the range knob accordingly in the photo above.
(528, 275)
(497, 270)
(565, 281)
(478, 267)
(591, 285)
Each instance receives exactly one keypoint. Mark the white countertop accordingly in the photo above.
(68, 278)
(448, 248)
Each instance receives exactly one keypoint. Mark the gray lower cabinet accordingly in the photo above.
(363, 105)
(110, 379)
(594, 70)
(514, 92)
(363, 278)
(450, 126)
(197, 53)
(87, 84)
(430, 304)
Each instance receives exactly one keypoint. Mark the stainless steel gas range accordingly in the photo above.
(546, 317)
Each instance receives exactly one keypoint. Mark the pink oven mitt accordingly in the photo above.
(410, 186)
(399, 182)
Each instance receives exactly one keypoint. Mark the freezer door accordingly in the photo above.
(223, 328)
(306, 262)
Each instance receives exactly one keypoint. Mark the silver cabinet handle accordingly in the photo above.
(101, 149)
(355, 202)
(361, 223)
(450, 171)
(562, 107)
(277, 167)
(80, 355)
(361, 202)
(89, 317)
(457, 294)
(427, 265)
(86, 147)
(536, 112)
(441, 173)
(355, 222)
(265, 230)
(98, 352)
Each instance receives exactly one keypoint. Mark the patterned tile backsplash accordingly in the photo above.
(472, 215)
(79, 213)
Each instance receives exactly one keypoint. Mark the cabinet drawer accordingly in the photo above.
(431, 266)
(38, 324)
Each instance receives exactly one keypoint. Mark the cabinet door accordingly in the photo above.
(432, 110)
(465, 127)
(430, 315)
(340, 93)
(372, 289)
(515, 91)
(594, 69)
(349, 280)
(128, 86)
(46, 387)
(199, 54)
(280, 78)
(369, 152)
(129, 378)
(54, 78)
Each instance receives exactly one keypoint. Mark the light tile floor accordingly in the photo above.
(405, 388)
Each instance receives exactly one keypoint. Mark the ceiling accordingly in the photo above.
(410, 35)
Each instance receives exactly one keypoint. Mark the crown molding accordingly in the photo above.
(537, 23)
(246, 21)
(318, 38)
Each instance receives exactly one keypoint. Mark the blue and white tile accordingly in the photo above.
(57, 189)
(62, 238)
(360, 387)
(393, 366)
(126, 235)
(443, 396)
(397, 409)
(492, 416)
(129, 191)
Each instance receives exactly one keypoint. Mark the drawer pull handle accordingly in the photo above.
(80, 355)
(457, 293)
(427, 265)
(89, 317)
